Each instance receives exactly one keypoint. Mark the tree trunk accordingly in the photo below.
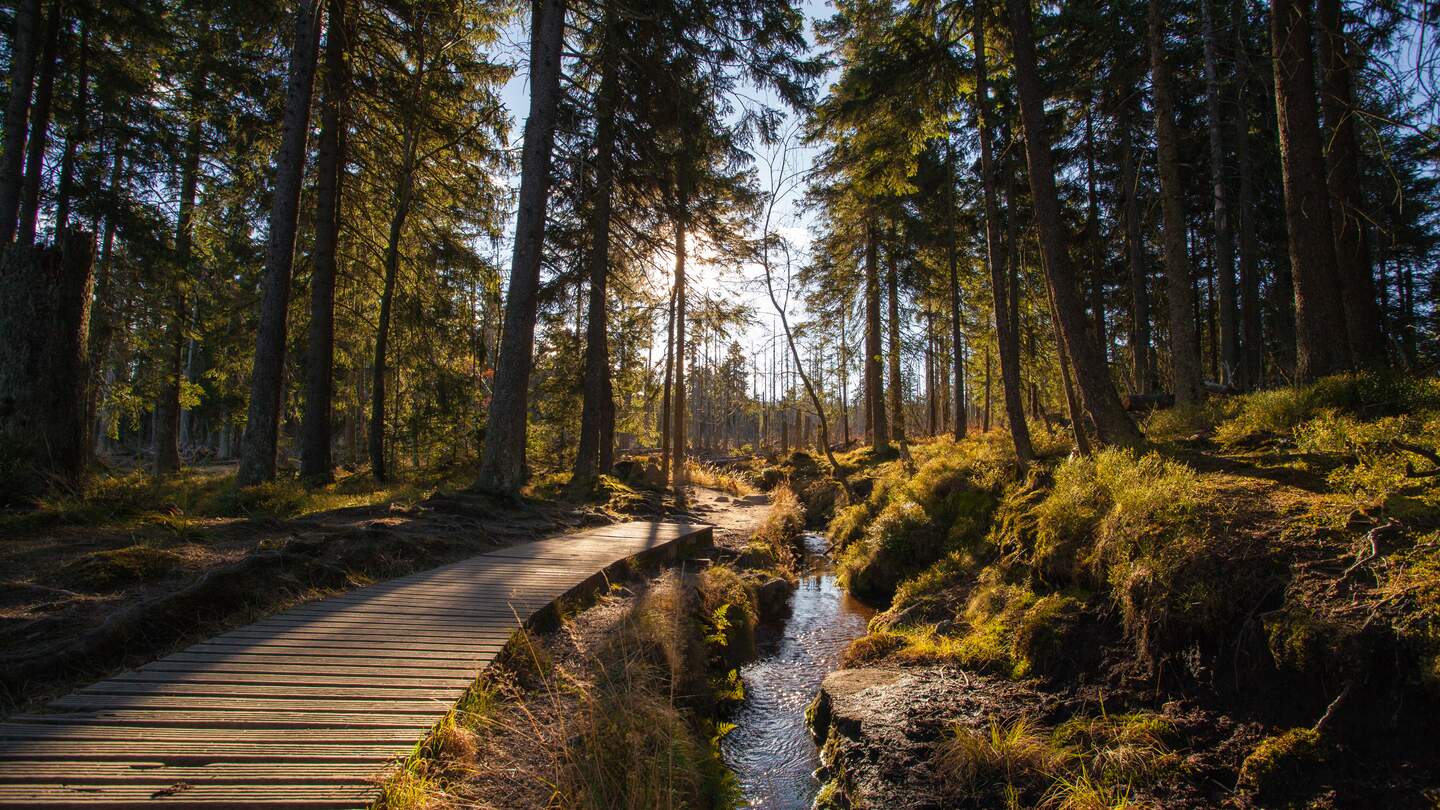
(665, 413)
(874, 354)
(592, 457)
(502, 463)
(45, 296)
(1134, 254)
(316, 465)
(17, 110)
(1092, 237)
(379, 466)
(1348, 217)
(102, 316)
(897, 383)
(1097, 393)
(1185, 375)
(1228, 344)
(957, 336)
(1072, 402)
(79, 132)
(1251, 337)
(1007, 340)
(39, 129)
(172, 343)
(267, 385)
(1321, 347)
(985, 418)
(677, 467)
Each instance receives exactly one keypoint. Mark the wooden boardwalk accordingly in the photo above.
(306, 708)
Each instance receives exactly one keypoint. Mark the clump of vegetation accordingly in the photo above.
(117, 568)
(1284, 765)
(732, 482)
(1086, 762)
(911, 521)
(729, 610)
(775, 545)
(1276, 413)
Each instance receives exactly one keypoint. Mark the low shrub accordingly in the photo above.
(1284, 765)
(117, 568)
(775, 545)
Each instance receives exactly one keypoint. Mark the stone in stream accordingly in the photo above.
(879, 729)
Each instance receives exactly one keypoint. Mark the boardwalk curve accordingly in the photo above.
(306, 708)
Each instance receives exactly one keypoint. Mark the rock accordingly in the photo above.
(771, 596)
(722, 498)
(879, 729)
(758, 499)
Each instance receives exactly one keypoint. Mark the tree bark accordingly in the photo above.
(592, 458)
(1251, 337)
(379, 466)
(17, 110)
(79, 132)
(45, 296)
(1321, 346)
(172, 343)
(1092, 237)
(502, 462)
(677, 466)
(1342, 161)
(1229, 342)
(957, 335)
(39, 138)
(665, 413)
(897, 383)
(1185, 375)
(874, 354)
(1134, 254)
(316, 465)
(1097, 393)
(1007, 340)
(258, 444)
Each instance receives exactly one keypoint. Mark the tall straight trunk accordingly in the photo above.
(677, 468)
(931, 400)
(17, 110)
(79, 132)
(1251, 337)
(844, 378)
(39, 128)
(102, 315)
(1097, 392)
(1228, 343)
(316, 465)
(1007, 338)
(379, 465)
(957, 336)
(896, 394)
(1135, 255)
(1321, 346)
(1179, 286)
(1072, 401)
(267, 385)
(172, 343)
(592, 458)
(1342, 161)
(1095, 252)
(985, 418)
(665, 414)
(874, 354)
(502, 462)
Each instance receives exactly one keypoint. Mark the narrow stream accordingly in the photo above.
(771, 750)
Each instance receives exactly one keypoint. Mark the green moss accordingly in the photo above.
(1284, 766)
(117, 568)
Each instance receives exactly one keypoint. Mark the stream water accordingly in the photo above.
(770, 749)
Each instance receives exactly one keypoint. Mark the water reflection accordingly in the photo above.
(770, 750)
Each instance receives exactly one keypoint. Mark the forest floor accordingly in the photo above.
(1244, 615)
(147, 567)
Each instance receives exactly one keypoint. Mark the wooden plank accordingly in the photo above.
(142, 771)
(303, 708)
(332, 692)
